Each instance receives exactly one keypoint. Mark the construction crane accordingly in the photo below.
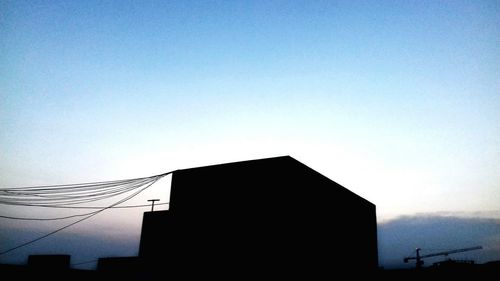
(419, 257)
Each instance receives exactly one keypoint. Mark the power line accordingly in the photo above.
(47, 219)
(70, 194)
(156, 178)
(77, 215)
(83, 184)
(71, 224)
(116, 207)
(92, 207)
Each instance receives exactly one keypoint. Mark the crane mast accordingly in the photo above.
(418, 257)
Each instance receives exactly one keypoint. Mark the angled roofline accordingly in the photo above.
(327, 178)
(278, 157)
(235, 162)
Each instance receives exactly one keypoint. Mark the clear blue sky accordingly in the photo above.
(399, 101)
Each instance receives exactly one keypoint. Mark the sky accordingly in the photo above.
(398, 101)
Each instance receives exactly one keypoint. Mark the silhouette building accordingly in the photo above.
(49, 262)
(273, 216)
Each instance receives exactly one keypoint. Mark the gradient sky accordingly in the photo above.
(399, 101)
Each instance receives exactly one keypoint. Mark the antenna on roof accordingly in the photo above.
(153, 203)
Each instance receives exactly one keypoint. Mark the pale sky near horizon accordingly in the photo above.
(398, 101)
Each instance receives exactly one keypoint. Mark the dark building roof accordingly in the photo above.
(49, 262)
(266, 215)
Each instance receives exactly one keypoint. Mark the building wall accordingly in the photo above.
(49, 262)
(273, 215)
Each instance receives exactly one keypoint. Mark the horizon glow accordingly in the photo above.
(398, 101)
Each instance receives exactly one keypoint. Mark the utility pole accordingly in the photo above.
(153, 203)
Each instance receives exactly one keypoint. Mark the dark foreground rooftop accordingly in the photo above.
(24, 272)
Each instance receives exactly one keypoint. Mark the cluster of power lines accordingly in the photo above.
(74, 196)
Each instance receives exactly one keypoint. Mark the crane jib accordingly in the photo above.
(419, 257)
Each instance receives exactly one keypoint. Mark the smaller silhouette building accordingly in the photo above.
(49, 262)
